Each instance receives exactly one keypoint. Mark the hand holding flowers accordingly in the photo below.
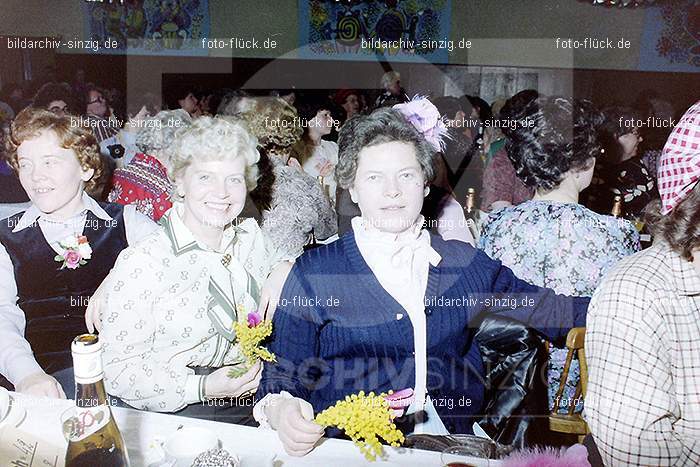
(364, 418)
(250, 335)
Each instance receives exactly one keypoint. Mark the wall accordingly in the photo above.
(518, 37)
(504, 32)
(523, 33)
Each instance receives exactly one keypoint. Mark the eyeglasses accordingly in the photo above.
(96, 100)
(58, 110)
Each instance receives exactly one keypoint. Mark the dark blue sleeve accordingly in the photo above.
(295, 342)
(538, 307)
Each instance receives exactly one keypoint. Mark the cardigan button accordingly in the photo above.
(428, 312)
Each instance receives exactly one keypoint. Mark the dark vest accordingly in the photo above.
(54, 299)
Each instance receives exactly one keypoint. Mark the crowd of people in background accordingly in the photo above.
(564, 189)
(628, 169)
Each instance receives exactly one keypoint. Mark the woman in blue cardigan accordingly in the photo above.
(389, 306)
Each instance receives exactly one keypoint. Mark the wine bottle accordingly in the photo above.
(93, 436)
(616, 210)
(471, 213)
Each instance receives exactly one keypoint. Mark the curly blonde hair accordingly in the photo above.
(32, 121)
(275, 123)
(213, 139)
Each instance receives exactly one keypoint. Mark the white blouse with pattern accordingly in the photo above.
(155, 324)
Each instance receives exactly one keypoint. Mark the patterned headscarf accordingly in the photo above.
(679, 169)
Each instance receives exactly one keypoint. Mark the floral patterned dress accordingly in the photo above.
(631, 180)
(562, 246)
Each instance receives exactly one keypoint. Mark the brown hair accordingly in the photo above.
(31, 121)
(384, 125)
(681, 227)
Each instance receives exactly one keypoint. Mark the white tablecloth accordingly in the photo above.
(252, 445)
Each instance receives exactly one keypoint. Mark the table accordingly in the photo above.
(250, 444)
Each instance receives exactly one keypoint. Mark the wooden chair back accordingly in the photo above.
(574, 344)
(571, 422)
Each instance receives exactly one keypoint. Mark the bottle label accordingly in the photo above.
(85, 422)
(87, 367)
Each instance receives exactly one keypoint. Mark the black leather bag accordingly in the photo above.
(515, 358)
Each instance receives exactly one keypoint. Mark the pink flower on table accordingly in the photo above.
(254, 319)
(72, 258)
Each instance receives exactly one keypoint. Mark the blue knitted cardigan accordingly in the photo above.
(337, 331)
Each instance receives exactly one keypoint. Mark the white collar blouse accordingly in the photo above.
(401, 264)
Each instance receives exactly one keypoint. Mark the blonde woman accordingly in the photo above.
(171, 300)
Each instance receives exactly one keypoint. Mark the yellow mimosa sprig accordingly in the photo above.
(250, 335)
(364, 418)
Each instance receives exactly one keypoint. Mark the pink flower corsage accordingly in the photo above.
(76, 252)
(423, 115)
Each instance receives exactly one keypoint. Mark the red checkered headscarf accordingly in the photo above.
(679, 169)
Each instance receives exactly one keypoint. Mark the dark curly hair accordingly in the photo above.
(554, 135)
(50, 92)
(616, 124)
(384, 125)
(515, 105)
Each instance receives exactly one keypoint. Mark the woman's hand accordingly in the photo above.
(293, 420)
(40, 384)
(219, 384)
(272, 289)
(93, 319)
(325, 168)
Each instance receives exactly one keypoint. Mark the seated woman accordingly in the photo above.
(144, 181)
(642, 339)
(552, 241)
(622, 173)
(55, 254)
(317, 156)
(442, 212)
(170, 301)
(501, 186)
(56, 98)
(388, 305)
